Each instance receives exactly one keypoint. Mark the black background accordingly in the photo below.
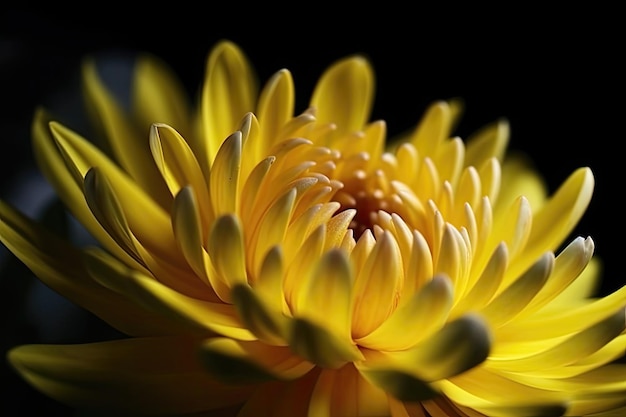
(556, 75)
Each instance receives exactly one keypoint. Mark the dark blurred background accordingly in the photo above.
(557, 77)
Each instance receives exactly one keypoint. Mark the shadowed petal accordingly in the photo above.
(239, 361)
(133, 155)
(152, 376)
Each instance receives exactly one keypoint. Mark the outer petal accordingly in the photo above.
(53, 166)
(128, 144)
(425, 312)
(228, 93)
(153, 376)
(159, 97)
(236, 361)
(408, 375)
(275, 107)
(344, 94)
(58, 265)
(149, 222)
(196, 315)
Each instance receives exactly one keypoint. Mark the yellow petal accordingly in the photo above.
(520, 178)
(226, 249)
(449, 159)
(554, 221)
(433, 129)
(228, 93)
(195, 314)
(268, 284)
(149, 222)
(377, 286)
(273, 226)
(128, 144)
(515, 298)
(106, 209)
(487, 284)
(179, 167)
(567, 267)
(325, 296)
(224, 178)
(68, 188)
(127, 375)
(158, 96)
(489, 142)
(275, 108)
(458, 346)
(415, 320)
(574, 348)
(188, 233)
(58, 265)
(319, 346)
(344, 94)
(344, 392)
(420, 269)
(250, 191)
(237, 361)
(264, 320)
(482, 389)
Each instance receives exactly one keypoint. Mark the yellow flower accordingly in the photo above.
(270, 264)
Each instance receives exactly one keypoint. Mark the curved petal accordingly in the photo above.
(377, 286)
(319, 346)
(179, 166)
(145, 375)
(570, 350)
(197, 315)
(58, 265)
(457, 347)
(149, 222)
(433, 129)
(344, 392)
(69, 189)
(493, 394)
(158, 96)
(228, 93)
(568, 266)
(236, 361)
(486, 143)
(325, 296)
(275, 108)
(425, 312)
(554, 323)
(556, 219)
(224, 177)
(344, 94)
(227, 251)
(265, 320)
(515, 298)
(128, 144)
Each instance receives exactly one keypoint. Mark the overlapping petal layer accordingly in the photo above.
(302, 264)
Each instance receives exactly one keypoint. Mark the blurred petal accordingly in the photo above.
(227, 95)
(150, 376)
(132, 154)
(239, 361)
(158, 96)
(344, 94)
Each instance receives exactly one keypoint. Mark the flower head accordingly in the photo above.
(264, 262)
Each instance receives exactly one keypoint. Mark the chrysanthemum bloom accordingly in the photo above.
(270, 264)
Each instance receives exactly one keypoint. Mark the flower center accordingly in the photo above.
(368, 195)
